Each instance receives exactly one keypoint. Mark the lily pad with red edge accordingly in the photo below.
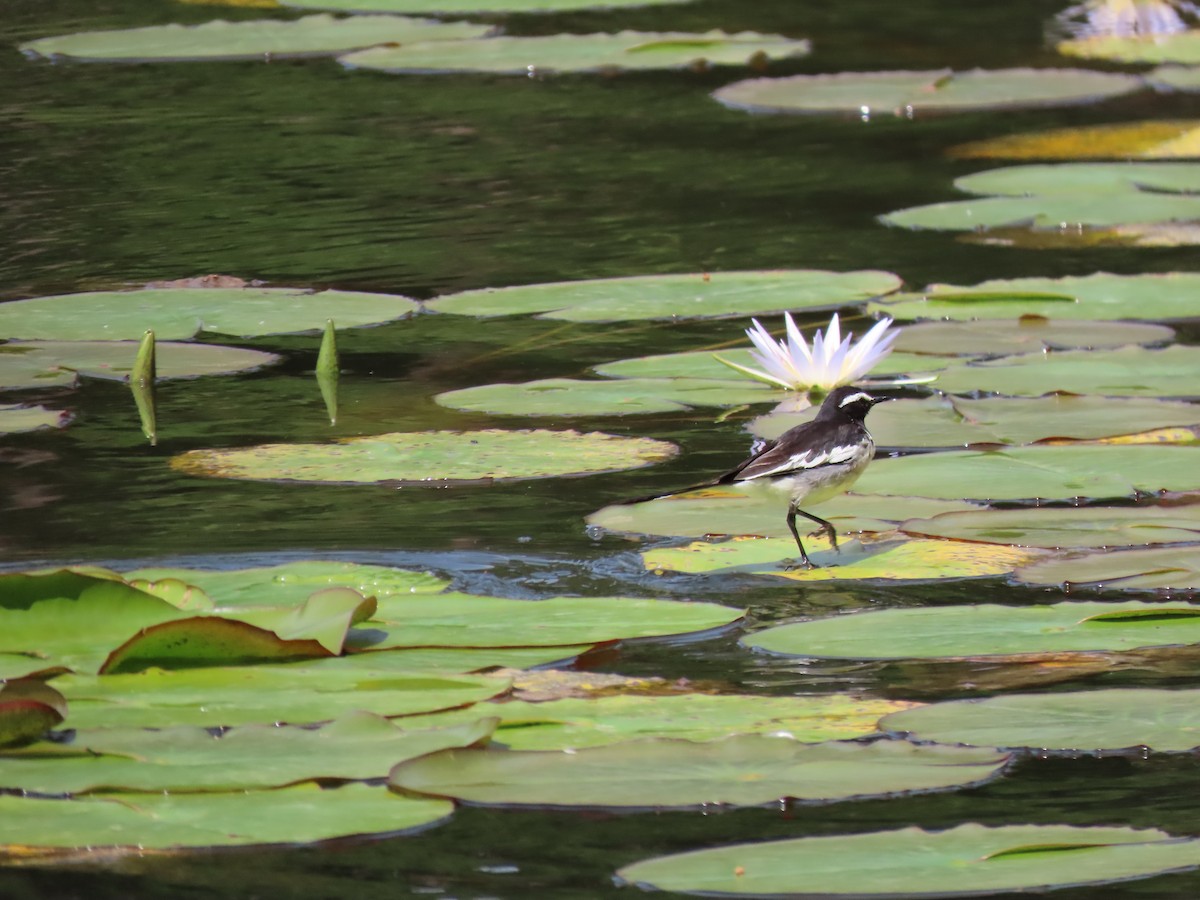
(28, 709)
(742, 770)
(969, 859)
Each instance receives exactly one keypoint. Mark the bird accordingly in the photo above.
(808, 464)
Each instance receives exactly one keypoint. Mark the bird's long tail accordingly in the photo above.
(683, 490)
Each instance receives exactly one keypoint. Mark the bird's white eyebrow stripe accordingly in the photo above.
(854, 398)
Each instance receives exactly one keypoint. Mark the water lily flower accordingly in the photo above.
(830, 362)
(1127, 18)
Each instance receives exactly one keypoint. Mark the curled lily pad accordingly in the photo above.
(1149, 139)
(181, 313)
(356, 746)
(967, 860)
(957, 422)
(28, 709)
(580, 53)
(321, 35)
(696, 295)
(1170, 295)
(1164, 720)
(610, 397)
(1058, 527)
(1158, 568)
(984, 630)
(460, 7)
(941, 90)
(743, 770)
(442, 456)
(29, 418)
(299, 814)
(31, 364)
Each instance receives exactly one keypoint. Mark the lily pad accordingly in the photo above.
(966, 860)
(15, 419)
(610, 397)
(181, 313)
(299, 814)
(464, 620)
(1024, 335)
(594, 722)
(463, 7)
(442, 456)
(321, 35)
(703, 364)
(35, 364)
(1031, 473)
(580, 53)
(1092, 721)
(357, 746)
(957, 422)
(1149, 139)
(731, 513)
(893, 561)
(453, 660)
(940, 90)
(28, 709)
(292, 694)
(1181, 48)
(1126, 371)
(695, 295)
(1065, 196)
(1159, 568)
(1176, 78)
(1057, 527)
(984, 630)
(744, 770)
(1170, 295)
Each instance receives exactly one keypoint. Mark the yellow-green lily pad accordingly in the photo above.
(940, 90)
(466, 7)
(508, 55)
(436, 456)
(320, 35)
(687, 296)
(743, 770)
(1148, 139)
(1181, 48)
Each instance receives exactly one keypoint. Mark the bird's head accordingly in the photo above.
(849, 401)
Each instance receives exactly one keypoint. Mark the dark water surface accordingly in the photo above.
(300, 173)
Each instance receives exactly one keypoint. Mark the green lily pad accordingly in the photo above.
(984, 630)
(940, 90)
(744, 770)
(59, 363)
(594, 722)
(1182, 48)
(322, 35)
(580, 53)
(703, 364)
(464, 620)
(443, 456)
(462, 7)
(695, 295)
(14, 419)
(181, 313)
(293, 694)
(293, 583)
(892, 561)
(1032, 473)
(1170, 295)
(453, 660)
(945, 421)
(733, 513)
(1126, 371)
(1176, 78)
(1092, 721)
(1024, 335)
(1147, 139)
(299, 814)
(357, 746)
(1065, 195)
(616, 397)
(966, 860)
(28, 709)
(1159, 568)
(1057, 527)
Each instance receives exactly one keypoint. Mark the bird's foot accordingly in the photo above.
(804, 563)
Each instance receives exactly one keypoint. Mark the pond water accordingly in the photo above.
(300, 173)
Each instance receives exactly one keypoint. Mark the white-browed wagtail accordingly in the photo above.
(809, 463)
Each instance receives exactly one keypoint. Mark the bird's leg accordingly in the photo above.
(791, 520)
(825, 527)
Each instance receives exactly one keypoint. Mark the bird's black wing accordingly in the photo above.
(808, 446)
